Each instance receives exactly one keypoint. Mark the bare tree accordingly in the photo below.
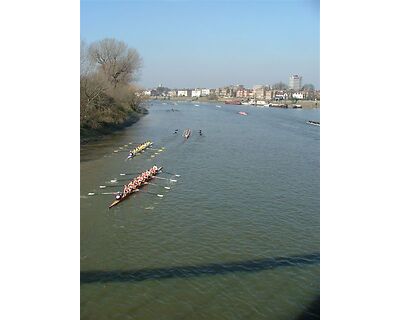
(279, 86)
(116, 60)
(308, 86)
(87, 65)
(107, 95)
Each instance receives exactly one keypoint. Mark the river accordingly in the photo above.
(237, 235)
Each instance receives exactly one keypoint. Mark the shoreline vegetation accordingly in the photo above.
(109, 99)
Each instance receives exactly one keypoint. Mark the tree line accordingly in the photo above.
(108, 95)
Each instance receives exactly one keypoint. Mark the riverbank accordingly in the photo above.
(88, 135)
(306, 104)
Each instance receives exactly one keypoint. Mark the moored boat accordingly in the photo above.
(233, 102)
(278, 105)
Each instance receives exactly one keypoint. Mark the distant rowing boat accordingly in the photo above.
(139, 149)
(115, 202)
(186, 133)
(314, 123)
(242, 113)
(238, 102)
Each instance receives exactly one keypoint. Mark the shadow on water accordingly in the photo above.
(312, 312)
(200, 270)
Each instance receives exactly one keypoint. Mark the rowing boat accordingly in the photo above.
(187, 133)
(314, 123)
(140, 148)
(115, 202)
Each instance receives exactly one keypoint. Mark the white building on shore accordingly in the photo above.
(205, 92)
(298, 95)
(196, 93)
(183, 93)
(172, 93)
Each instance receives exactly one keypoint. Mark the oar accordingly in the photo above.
(97, 194)
(156, 194)
(157, 185)
(152, 184)
(129, 173)
(118, 180)
(165, 179)
(114, 181)
(173, 174)
(102, 187)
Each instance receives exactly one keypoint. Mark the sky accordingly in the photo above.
(189, 44)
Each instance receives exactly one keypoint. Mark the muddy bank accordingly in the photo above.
(88, 135)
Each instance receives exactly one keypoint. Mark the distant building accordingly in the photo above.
(147, 92)
(268, 94)
(183, 93)
(259, 91)
(196, 93)
(172, 93)
(243, 93)
(298, 95)
(222, 92)
(280, 95)
(205, 92)
(295, 82)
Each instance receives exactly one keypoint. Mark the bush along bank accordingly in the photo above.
(108, 99)
(88, 134)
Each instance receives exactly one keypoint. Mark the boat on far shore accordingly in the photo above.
(278, 105)
(237, 102)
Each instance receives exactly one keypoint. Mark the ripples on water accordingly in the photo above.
(248, 193)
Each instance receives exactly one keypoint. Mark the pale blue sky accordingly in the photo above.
(187, 43)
